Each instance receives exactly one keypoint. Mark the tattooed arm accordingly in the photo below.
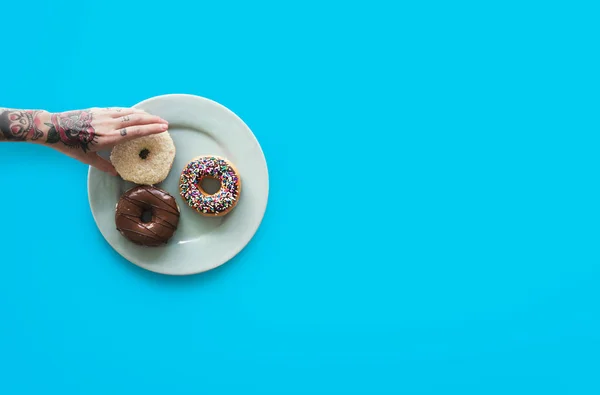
(79, 134)
(22, 125)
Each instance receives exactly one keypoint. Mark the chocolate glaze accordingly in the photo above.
(165, 215)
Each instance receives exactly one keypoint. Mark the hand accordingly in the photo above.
(80, 134)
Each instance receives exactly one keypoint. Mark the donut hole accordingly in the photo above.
(144, 153)
(146, 216)
(210, 185)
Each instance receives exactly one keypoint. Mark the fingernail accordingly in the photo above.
(164, 127)
(164, 121)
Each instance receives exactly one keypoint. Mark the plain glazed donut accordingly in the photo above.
(219, 203)
(145, 160)
(130, 212)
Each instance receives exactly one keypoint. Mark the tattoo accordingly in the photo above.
(125, 118)
(124, 132)
(74, 129)
(118, 110)
(20, 125)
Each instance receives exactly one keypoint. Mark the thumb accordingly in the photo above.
(99, 163)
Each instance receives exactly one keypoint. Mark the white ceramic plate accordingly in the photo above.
(199, 127)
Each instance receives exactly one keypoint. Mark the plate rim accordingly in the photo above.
(234, 251)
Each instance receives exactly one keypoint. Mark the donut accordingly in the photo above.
(219, 203)
(145, 160)
(141, 200)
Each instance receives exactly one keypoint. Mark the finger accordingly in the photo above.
(139, 119)
(99, 163)
(134, 132)
(116, 112)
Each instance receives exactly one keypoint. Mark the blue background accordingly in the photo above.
(433, 221)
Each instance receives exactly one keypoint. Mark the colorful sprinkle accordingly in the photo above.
(209, 166)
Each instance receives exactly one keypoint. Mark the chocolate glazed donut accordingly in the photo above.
(139, 200)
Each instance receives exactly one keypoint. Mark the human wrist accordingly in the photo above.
(42, 121)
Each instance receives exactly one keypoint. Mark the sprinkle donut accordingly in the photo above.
(219, 203)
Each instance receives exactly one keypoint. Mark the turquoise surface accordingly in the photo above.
(433, 218)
